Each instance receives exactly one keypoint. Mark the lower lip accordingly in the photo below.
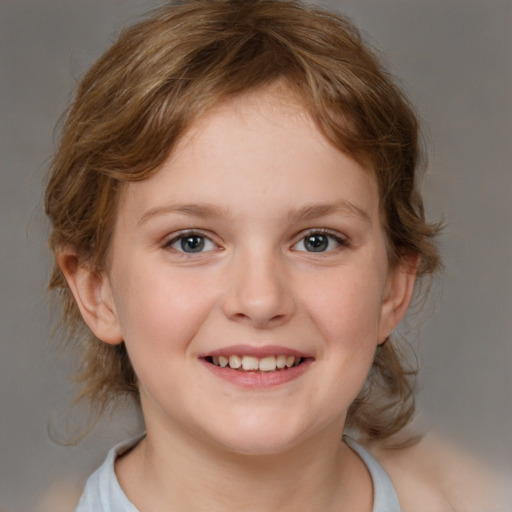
(252, 379)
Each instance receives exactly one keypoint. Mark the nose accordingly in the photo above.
(259, 291)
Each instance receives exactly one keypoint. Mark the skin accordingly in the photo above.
(253, 179)
(436, 475)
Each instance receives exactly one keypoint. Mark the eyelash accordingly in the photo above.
(188, 234)
(205, 240)
(341, 241)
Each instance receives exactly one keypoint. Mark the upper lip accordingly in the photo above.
(250, 350)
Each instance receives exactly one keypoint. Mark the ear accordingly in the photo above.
(93, 295)
(397, 295)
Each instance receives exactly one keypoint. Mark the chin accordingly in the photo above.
(261, 446)
(263, 436)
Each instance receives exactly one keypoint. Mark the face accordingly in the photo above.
(249, 280)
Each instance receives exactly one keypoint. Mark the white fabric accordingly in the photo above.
(103, 493)
(384, 495)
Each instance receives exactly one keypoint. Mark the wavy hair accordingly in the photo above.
(161, 75)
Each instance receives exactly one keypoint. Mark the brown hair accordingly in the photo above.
(162, 74)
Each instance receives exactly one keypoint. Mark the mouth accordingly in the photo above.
(249, 363)
(263, 367)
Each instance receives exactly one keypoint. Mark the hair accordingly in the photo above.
(161, 75)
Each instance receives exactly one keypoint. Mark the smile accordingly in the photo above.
(257, 367)
(252, 363)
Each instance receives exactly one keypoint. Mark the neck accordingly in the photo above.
(184, 474)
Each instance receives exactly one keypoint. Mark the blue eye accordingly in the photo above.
(319, 242)
(192, 243)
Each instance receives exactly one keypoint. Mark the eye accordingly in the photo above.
(191, 243)
(319, 241)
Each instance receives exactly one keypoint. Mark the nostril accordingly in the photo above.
(259, 318)
(258, 295)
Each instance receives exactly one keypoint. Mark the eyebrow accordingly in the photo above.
(314, 211)
(201, 211)
(305, 213)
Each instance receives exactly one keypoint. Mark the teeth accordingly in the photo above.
(290, 360)
(235, 362)
(251, 363)
(267, 364)
(281, 362)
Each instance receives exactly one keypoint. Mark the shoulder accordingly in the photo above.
(433, 475)
(102, 491)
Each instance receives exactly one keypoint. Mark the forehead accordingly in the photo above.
(261, 148)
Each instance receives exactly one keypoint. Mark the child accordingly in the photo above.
(237, 222)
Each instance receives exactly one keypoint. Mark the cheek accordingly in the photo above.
(346, 308)
(162, 309)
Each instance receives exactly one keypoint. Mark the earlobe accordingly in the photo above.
(93, 295)
(398, 295)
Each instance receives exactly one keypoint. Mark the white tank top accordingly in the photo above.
(103, 493)
(384, 495)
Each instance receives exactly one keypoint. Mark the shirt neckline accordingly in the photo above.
(384, 494)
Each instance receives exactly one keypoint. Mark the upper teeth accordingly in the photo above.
(264, 364)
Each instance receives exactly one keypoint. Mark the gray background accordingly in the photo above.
(454, 58)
